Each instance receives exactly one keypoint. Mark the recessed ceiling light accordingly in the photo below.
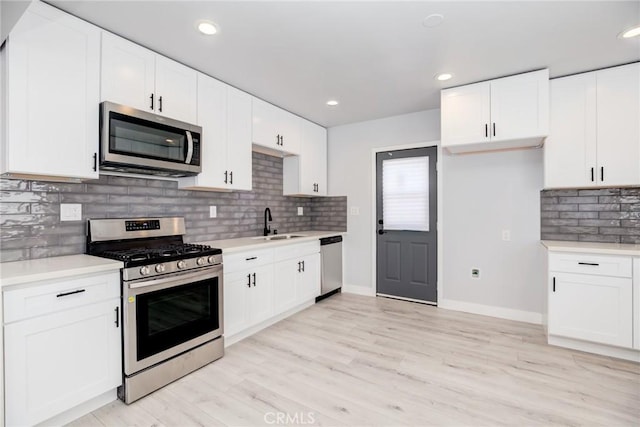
(207, 27)
(631, 32)
(443, 76)
(332, 103)
(433, 20)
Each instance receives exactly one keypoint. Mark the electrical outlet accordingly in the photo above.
(213, 212)
(70, 212)
(475, 273)
(506, 235)
(355, 210)
(300, 210)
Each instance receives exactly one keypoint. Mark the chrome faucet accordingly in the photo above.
(267, 217)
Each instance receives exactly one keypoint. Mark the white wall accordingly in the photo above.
(10, 13)
(483, 194)
(350, 174)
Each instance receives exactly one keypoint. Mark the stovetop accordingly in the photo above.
(148, 255)
(148, 246)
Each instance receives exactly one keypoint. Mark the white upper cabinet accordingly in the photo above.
(239, 156)
(595, 130)
(225, 116)
(139, 78)
(275, 128)
(510, 112)
(306, 174)
(52, 96)
(618, 125)
(128, 73)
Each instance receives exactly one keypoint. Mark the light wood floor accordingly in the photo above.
(361, 361)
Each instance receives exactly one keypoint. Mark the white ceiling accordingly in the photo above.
(375, 57)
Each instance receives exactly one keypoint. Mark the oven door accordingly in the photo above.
(167, 316)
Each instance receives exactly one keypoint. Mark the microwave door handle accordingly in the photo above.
(189, 148)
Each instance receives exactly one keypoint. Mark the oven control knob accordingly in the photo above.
(144, 270)
(160, 268)
(182, 264)
(200, 261)
(211, 259)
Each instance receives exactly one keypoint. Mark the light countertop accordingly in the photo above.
(21, 272)
(593, 247)
(244, 243)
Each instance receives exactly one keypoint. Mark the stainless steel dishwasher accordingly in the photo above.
(331, 276)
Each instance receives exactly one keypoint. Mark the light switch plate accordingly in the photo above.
(213, 212)
(300, 210)
(70, 212)
(355, 210)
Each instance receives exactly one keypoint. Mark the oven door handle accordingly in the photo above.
(189, 148)
(175, 280)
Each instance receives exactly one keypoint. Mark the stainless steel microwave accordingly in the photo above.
(135, 141)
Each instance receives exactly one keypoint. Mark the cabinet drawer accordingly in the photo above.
(600, 265)
(243, 260)
(57, 295)
(296, 250)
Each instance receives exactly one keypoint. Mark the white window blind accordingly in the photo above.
(405, 193)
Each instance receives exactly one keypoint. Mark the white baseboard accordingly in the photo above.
(592, 347)
(489, 310)
(358, 290)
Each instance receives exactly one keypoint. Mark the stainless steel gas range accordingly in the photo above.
(171, 300)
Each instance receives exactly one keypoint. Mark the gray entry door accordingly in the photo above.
(406, 207)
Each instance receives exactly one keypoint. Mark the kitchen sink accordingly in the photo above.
(277, 237)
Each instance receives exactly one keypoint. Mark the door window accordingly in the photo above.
(405, 193)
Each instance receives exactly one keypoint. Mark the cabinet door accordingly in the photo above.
(260, 296)
(289, 125)
(212, 116)
(53, 94)
(309, 279)
(265, 124)
(306, 174)
(520, 106)
(618, 125)
(176, 90)
(591, 308)
(58, 361)
(285, 284)
(236, 315)
(465, 114)
(128, 73)
(570, 148)
(239, 155)
(313, 160)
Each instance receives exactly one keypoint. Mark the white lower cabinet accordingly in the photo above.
(247, 298)
(309, 280)
(591, 298)
(297, 280)
(67, 354)
(260, 285)
(591, 308)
